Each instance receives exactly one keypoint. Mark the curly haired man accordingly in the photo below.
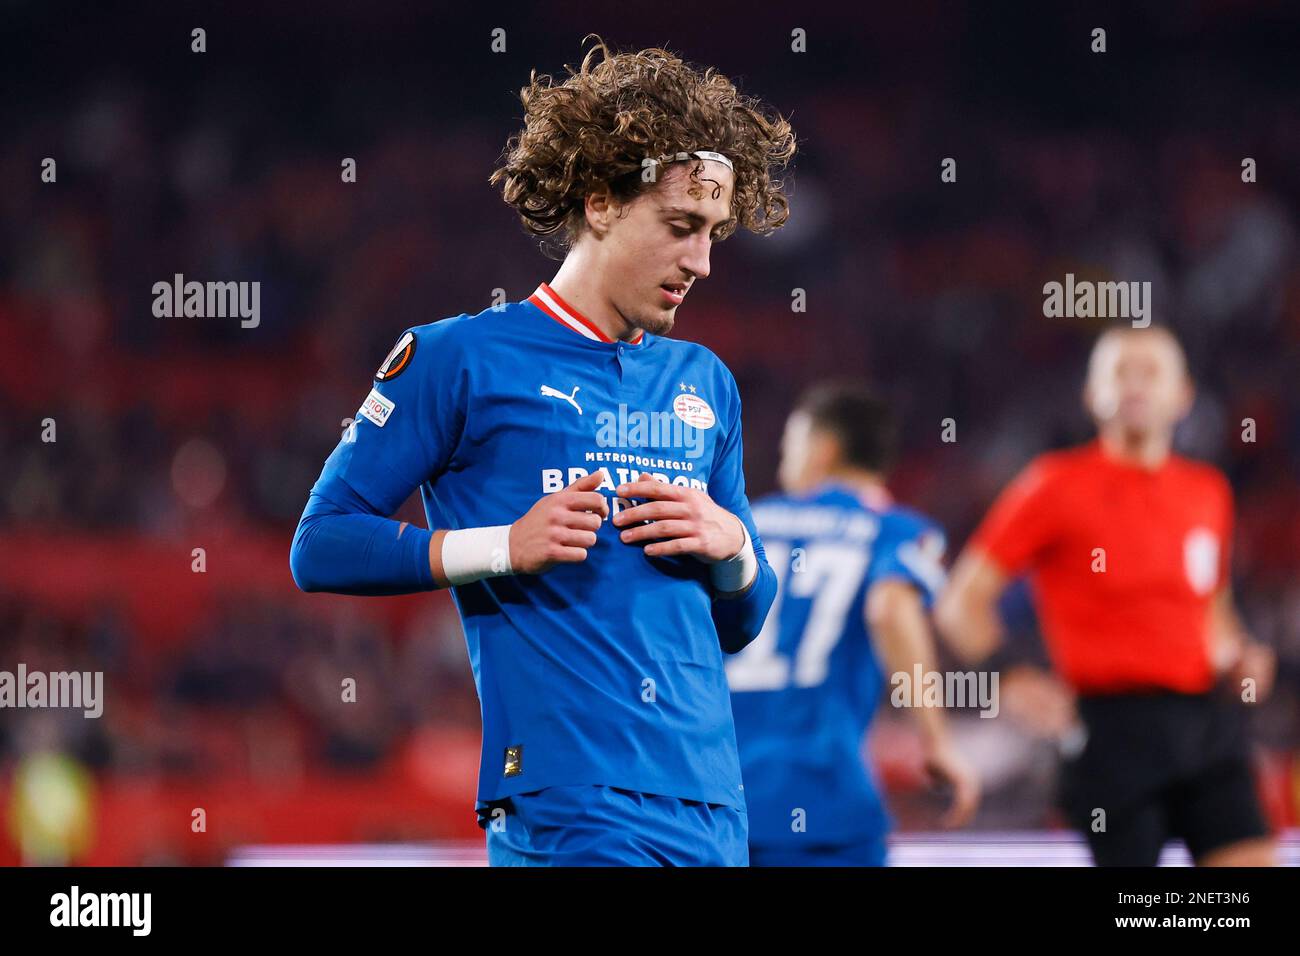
(582, 476)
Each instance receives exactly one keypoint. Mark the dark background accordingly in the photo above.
(177, 434)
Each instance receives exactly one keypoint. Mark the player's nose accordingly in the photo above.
(696, 258)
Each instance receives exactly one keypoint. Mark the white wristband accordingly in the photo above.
(736, 572)
(472, 554)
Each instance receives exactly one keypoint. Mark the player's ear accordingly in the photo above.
(825, 451)
(599, 207)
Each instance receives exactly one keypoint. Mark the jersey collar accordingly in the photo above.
(546, 299)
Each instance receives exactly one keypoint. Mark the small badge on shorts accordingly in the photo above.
(514, 760)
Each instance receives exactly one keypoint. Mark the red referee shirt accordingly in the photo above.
(1163, 536)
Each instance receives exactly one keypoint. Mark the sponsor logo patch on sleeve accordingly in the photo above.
(376, 408)
(398, 360)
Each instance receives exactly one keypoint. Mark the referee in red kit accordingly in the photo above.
(1127, 545)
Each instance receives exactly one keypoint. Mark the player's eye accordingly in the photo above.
(680, 229)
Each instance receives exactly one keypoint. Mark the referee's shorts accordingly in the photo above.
(1158, 765)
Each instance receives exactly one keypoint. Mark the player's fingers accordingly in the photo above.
(644, 476)
(674, 546)
(585, 501)
(569, 555)
(652, 511)
(649, 489)
(657, 531)
(1264, 663)
(1067, 716)
(587, 482)
(575, 538)
(1262, 669)
(582, 520)
(965, 800)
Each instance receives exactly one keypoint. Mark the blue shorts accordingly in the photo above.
(605, 826)
(872, 851)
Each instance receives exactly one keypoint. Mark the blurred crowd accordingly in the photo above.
(253, 692)
(931, 291)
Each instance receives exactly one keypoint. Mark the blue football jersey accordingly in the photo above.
(803, 693)
(607, 671)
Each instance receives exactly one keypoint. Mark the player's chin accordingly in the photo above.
(1143, 423)
(1142, 431)
(658, 321)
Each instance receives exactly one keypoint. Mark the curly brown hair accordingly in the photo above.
(598, 127)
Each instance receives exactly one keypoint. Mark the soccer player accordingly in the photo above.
(1128, 547)
(581, 476)
(857, 574)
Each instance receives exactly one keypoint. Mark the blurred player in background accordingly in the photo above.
(857, 577)
(1128, 547)
(596, 624)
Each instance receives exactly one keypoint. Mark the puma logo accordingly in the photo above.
(555, 393)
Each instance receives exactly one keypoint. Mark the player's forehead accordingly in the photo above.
(697, 188)
(1118, 349)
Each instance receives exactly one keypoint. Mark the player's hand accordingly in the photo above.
(559, 528)
(684, 521)
(1256, 662)
(1040, 701)
(945, 764)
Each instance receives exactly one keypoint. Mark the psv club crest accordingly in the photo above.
(693, 410)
